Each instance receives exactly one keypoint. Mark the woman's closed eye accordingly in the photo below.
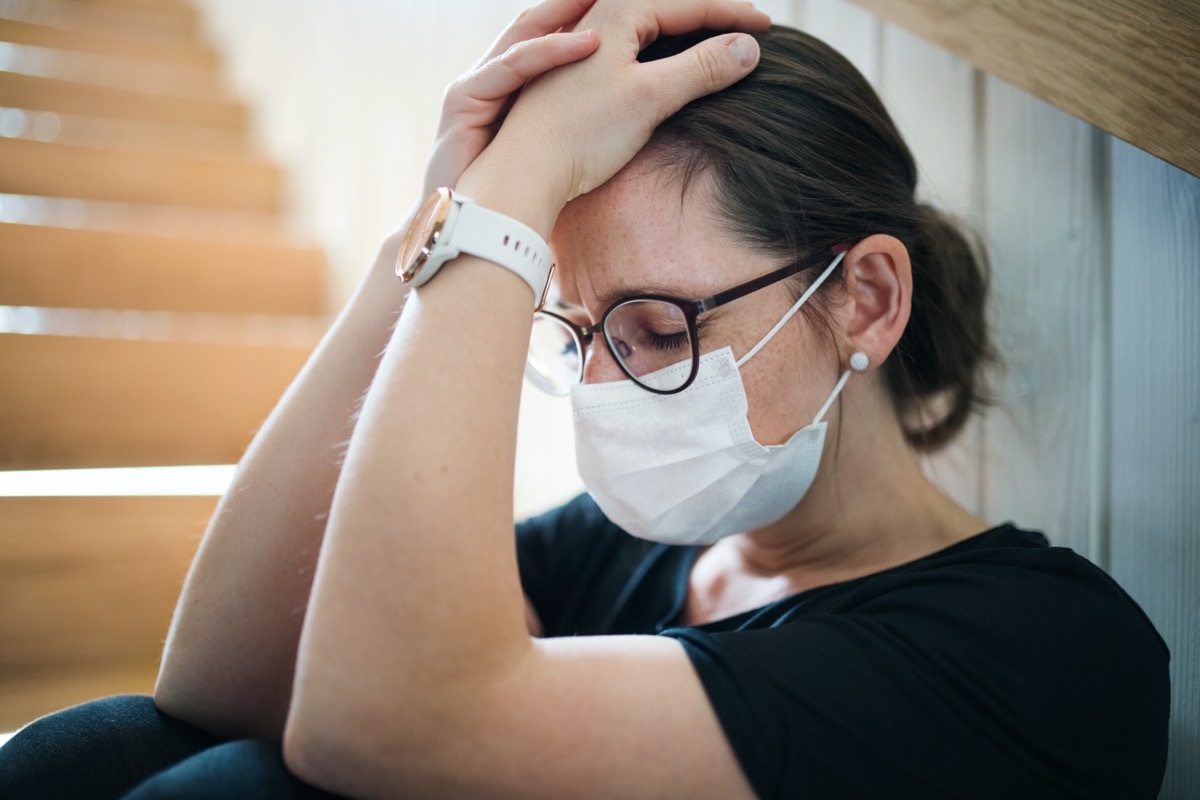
(675, 340)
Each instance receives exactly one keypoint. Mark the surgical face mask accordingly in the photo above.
(685, 468)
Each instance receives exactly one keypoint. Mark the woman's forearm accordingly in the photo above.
(231, 651)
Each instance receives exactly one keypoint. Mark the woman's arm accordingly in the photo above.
(231, 652)
(416, 675)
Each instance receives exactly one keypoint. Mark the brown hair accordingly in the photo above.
(803, 156)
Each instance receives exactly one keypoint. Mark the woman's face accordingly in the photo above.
(637, 234)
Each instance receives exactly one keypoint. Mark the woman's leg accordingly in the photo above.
(100, 749)
(248, 769)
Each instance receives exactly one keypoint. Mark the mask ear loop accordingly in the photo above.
(858, 363)
(795, 307)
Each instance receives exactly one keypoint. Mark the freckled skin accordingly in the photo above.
(637, 230)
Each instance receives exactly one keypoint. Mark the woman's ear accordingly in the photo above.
(878, 279)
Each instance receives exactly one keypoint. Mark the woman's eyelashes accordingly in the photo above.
(677, 340)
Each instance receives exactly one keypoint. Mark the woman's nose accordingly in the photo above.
(599, 366)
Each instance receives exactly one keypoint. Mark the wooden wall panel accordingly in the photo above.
(87, 585)
(1042, 221)
(82, 402)
(1130, 67)
(1155, 466)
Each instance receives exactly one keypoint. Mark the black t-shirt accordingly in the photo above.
(999, 667)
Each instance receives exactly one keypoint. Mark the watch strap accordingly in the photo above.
(502, 240)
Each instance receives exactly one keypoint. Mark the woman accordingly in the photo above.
(759, 329)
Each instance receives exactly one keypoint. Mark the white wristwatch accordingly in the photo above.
(449, 224)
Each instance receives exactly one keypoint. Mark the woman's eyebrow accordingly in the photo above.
(607, 298)
(623, 292)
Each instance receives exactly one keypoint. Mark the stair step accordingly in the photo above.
(87, 585)
(38, 93)
(59, 170)
(83, 402)
(184, 222)
(80, 268)
(91, 580)
(20, 32)
(25, 696)
(110, 20)
(124, 134)
(174, 8)
(129, 74)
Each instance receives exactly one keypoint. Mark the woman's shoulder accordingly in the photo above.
(1007, 583)
(1000, 655)
(1015, 572)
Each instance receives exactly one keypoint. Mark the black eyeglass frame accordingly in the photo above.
(691, 309)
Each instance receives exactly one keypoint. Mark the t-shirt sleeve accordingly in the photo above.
(985, 683)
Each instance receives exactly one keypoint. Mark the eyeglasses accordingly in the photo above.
(653, 337)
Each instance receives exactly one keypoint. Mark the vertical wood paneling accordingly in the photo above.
(931, 96)
(1041, 216)
(1155, 474)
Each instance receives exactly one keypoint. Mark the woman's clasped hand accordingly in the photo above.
(568, 110)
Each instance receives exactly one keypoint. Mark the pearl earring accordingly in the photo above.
(859, 361)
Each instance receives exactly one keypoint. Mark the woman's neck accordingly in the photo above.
(870, 508)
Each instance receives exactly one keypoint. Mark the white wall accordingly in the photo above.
(1096, 269)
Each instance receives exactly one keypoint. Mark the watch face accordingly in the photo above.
(422, 235)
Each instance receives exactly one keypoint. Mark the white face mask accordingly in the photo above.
(685, 468)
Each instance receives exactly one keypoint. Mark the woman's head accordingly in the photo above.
(802, 156)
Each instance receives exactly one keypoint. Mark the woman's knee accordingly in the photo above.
(248, 769)
(97, 749)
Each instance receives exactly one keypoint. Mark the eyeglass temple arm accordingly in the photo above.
(729, 295)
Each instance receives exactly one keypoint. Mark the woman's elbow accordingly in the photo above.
(326, 754)
(220, 713)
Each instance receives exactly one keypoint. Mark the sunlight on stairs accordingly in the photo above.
(153, 307)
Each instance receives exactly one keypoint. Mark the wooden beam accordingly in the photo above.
(37, 93)
(79, 268)
(20, 32)
(60, 170)
(82, 402)
(1130, 67)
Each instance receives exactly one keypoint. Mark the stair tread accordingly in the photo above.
(83, 268)
(40, 93)
(74, 171)
(174, 8)
(117, 72)
(143, 24)
(21, 32)
(92, 402)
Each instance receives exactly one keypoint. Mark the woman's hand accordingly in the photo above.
(575, 127)
(476, 103)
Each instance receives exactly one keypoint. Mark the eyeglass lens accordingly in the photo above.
(645, 337)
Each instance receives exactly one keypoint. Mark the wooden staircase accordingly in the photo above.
(152, 310)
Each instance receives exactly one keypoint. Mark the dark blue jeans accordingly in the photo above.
(123, 747)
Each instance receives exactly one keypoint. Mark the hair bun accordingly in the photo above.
(936, 377)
